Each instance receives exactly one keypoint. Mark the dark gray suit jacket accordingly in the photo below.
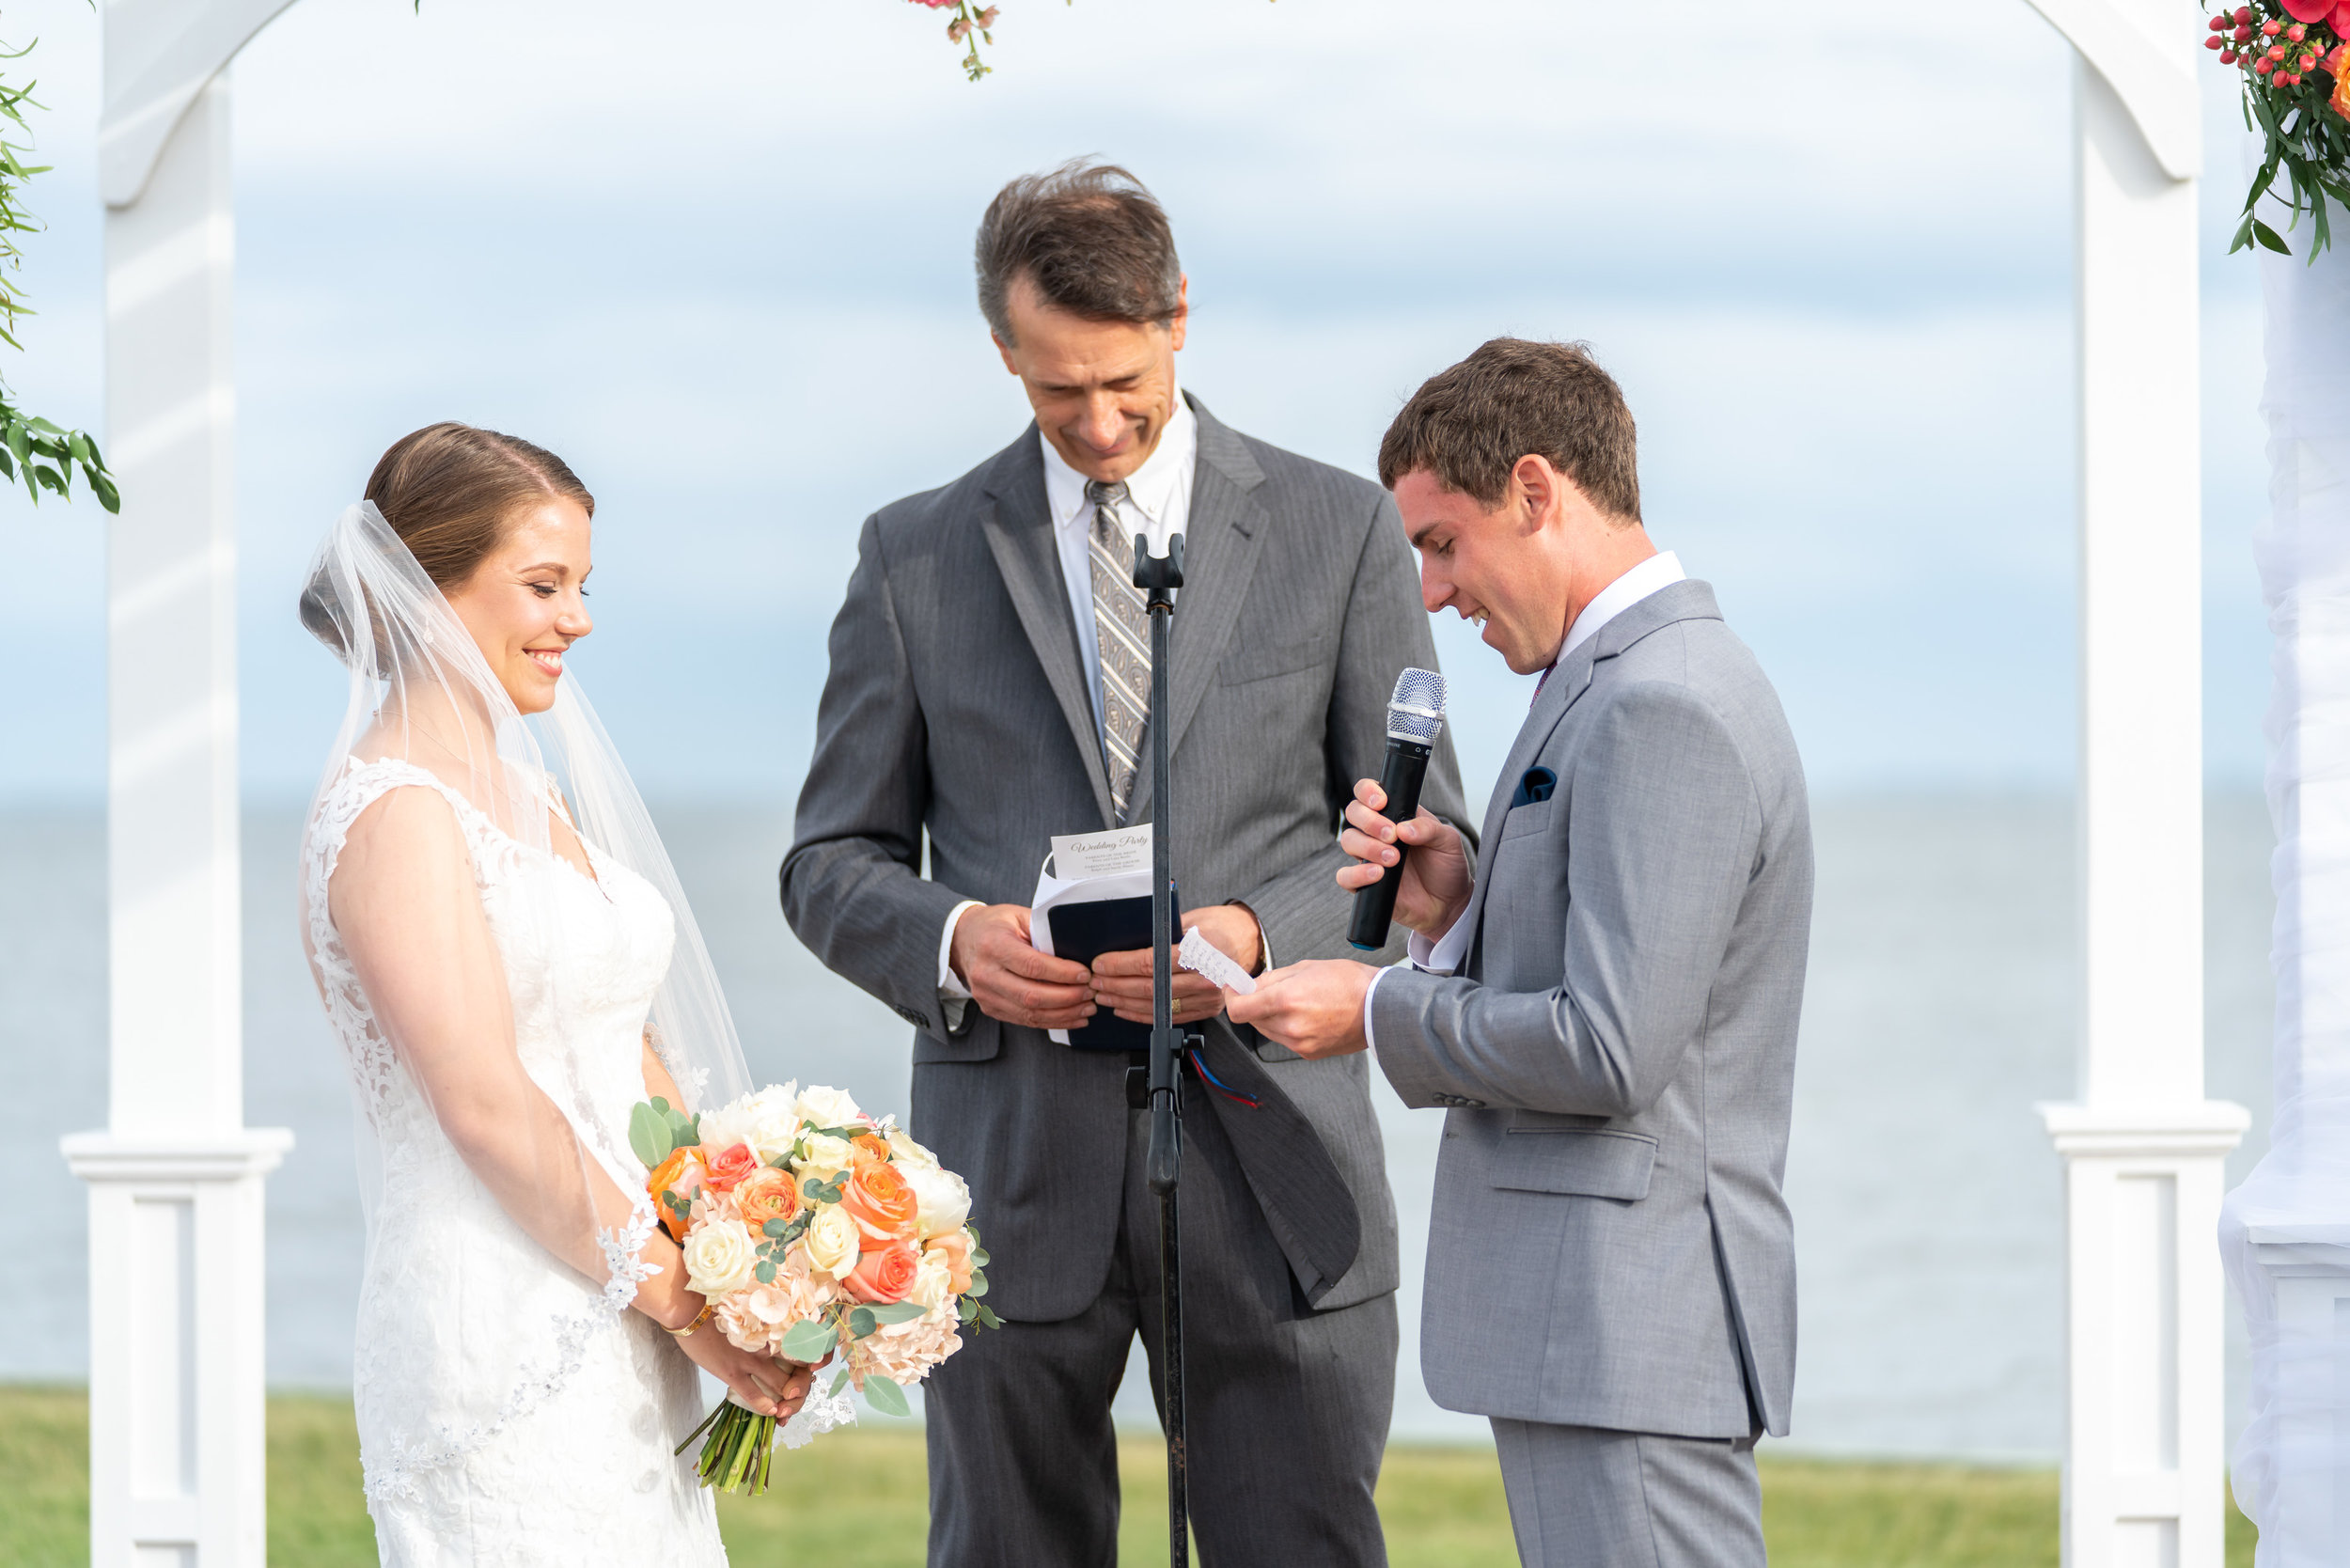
(957, 711)
(1609, 1247)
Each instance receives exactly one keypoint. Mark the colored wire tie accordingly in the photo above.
(1220, 1087)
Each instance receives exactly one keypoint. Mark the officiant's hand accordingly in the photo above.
(1122, 981)
(993, 956)
(1436, 879)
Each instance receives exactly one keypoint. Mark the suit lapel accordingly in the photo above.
(1567, 683)
(1018, 522)
(1222, 540)
(1687, 600)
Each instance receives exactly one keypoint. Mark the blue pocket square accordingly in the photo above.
(1538, 785)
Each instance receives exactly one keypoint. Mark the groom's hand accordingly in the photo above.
(1436, 879)
(1314, 1008)
(992, 955)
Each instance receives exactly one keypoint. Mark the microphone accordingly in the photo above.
(1415, 717)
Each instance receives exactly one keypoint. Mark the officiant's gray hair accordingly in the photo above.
(1514, 398)
(1091, 238)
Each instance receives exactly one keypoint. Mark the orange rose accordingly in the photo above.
(766, 1194)
(884, 1274)
(729, 1166)
(871, 1146)
(673, 1185)
(954, 1251)
(881, 1203)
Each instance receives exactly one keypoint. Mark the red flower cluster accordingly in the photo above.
(2283, 53)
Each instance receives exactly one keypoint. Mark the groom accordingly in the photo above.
(989, 689)
(1605, 994)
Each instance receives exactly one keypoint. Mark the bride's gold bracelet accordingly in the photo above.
(700, 1318)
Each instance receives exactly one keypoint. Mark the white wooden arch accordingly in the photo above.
(176, 1298)
(175, 1180)
(2144, 1151)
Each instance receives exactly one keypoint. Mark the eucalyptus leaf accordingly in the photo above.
(897, 1312)
(649, 1134)
(776, 1227)
(2268, 237)
(810, 1340)
(766, 1273)
(886, 1397)
(840, 1381)
(861, 1322)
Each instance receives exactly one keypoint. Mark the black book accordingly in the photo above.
(1082, 932)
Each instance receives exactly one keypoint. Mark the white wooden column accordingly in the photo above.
(176, 1234)
(2144, 1472)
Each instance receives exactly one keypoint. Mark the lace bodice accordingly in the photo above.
(483, 1365)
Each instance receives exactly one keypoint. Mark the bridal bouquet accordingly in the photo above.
(813, 1229)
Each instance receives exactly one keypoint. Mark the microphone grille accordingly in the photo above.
(1416, 712)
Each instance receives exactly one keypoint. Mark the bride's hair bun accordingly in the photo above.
(449, 491)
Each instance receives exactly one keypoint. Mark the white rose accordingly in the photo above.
(755, 1119)
(830, 1242)
(932, 1281)
(720, 1257)
(826, 1156)
(942, 1202)
(903, 1151)
(827, 1107)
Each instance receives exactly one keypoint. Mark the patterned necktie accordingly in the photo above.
(1121, 632)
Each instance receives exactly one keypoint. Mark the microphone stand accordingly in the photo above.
(1159, 576)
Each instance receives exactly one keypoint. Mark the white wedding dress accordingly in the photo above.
(511, 1411)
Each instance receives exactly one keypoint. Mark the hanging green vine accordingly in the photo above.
(33, 451)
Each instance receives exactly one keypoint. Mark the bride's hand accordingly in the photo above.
(766, 1385)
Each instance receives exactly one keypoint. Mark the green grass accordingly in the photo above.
(859, 1494)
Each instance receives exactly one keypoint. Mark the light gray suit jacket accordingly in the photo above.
(957, 713)
(1609, 1246)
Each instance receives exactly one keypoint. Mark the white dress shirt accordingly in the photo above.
(1662, 570)
(1158, 496)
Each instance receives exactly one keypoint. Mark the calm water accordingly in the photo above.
(1940, 1008)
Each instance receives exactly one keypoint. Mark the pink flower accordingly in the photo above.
(906, 1352)
(957, 30)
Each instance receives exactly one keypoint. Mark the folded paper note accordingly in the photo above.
(1201, 957)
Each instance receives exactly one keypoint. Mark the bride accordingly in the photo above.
(508, 967)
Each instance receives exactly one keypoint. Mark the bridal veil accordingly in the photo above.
(424, 708)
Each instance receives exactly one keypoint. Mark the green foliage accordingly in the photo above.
(40, 455)
(860, 1495)
(2294, 108)
(657, 1129)
(886, 1397)
(809, 1341)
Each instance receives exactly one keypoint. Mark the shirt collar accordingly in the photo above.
(1152, 488)
(1661, 570)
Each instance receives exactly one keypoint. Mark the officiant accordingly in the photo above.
(989, 688)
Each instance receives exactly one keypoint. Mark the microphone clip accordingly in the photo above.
(1159, 576)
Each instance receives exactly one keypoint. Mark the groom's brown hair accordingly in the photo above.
(1513, 398)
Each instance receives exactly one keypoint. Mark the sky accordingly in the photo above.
(717, 256)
